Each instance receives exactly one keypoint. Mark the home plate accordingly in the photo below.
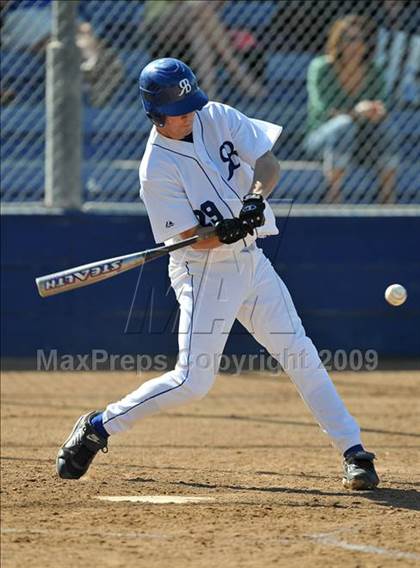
(155, 499)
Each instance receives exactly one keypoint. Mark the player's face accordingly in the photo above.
(178, 127)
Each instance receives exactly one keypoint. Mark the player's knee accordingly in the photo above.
(198, 383)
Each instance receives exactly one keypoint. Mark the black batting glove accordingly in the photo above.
(230, 231)
(252, 212)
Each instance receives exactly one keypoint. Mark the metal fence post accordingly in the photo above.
(63, 111)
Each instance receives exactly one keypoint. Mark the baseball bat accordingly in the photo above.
(94, 272)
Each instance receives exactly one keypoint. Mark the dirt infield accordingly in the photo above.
(251, 445)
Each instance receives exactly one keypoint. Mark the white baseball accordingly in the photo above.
(395, 294)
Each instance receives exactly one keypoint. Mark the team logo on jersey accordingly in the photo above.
(227, 152)
(169, 224)
(185, 87)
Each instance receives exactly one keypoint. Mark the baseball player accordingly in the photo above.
(206, 164)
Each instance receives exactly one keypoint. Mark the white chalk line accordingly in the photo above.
(329, 539)
(101, 534)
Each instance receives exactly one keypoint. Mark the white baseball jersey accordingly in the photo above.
(184, 183)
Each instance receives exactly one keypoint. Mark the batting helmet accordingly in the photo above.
(168, 87)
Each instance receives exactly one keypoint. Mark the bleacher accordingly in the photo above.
(114, 137)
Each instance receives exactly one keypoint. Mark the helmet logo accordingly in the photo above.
(185, 87)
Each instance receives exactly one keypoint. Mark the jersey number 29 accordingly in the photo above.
(208, 210)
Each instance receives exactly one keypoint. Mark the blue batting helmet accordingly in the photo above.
(168, 87)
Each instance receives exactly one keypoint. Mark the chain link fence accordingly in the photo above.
(343, 78)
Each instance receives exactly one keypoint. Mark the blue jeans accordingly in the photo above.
(341, 140)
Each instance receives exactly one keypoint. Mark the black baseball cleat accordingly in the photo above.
(78, 451)
(359, 471)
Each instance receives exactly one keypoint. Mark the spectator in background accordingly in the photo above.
(101, 67)
(346, 109)
(192, 31)
(398, 50)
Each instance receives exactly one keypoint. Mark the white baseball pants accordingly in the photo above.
(211, 297)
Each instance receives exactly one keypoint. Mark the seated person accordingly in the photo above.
(347, 116)
(102, 69)
(193, 31)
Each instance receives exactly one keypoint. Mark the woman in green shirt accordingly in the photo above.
(346, 109)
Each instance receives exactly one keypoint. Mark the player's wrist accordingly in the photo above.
(256, 190)
(253, 195)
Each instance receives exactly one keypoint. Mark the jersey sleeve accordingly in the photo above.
(250, 141)
(169, 210)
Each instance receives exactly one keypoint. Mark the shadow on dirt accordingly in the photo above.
(392, 498)
(271, 420)
(396, 498)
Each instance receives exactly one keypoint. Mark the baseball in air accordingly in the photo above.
(395, 294)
